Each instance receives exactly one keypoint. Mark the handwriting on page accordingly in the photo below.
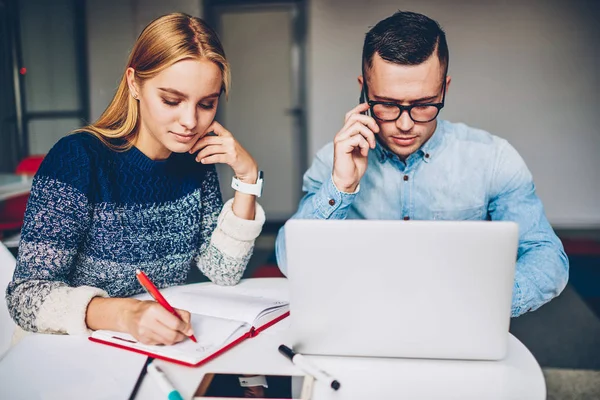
(211, 332)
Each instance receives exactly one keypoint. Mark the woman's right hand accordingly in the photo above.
(151, 323)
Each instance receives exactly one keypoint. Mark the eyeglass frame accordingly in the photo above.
(372, 103)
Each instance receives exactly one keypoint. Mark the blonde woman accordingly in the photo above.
(138, 189)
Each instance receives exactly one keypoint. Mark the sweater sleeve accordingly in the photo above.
(39, 297)
(227, 241)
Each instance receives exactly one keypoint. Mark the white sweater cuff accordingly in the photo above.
(65, 309)
(235, 236)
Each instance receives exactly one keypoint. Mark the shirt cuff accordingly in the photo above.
(517, 299)
(331, 203)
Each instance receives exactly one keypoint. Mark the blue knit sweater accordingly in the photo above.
(95, 215)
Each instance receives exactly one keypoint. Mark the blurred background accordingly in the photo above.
(525, 71)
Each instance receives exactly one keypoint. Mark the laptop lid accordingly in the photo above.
(424, 289)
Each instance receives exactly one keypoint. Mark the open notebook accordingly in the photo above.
(220, 321)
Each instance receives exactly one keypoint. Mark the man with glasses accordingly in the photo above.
(413, 166)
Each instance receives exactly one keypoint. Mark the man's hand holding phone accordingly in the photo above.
(351, 148)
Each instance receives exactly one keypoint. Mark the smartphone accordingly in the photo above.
(363, 99)
(227, 386)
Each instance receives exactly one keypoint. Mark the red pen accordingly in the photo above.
(153, 291)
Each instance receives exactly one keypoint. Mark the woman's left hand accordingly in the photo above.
(223, 148)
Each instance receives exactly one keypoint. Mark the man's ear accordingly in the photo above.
(361, 88)
(448, 80)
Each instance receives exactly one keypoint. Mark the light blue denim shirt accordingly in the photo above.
(460, 173)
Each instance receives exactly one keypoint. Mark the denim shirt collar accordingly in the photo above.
(427, 152)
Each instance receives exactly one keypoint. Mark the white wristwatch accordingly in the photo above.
(249, 188)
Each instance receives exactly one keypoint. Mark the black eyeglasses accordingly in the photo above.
(387, 111)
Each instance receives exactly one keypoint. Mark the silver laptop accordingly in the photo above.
(418, 289)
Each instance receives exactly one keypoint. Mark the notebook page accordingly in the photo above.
(224, 305)
(212, 334)
(270, 314)
(245, 287)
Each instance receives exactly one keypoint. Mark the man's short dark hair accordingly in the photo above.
(406, 38)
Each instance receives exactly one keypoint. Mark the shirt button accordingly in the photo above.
(406, 218)
(405, 177)
(331, 202)
(426, 155)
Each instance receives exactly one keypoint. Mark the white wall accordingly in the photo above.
(258, 48)
(526, 71)
(112, 28)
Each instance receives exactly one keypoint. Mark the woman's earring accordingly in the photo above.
(134, 95)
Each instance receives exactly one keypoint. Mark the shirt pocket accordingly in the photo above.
(461, 214)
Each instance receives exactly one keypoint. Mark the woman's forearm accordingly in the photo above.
(244, 205)
(109, 313)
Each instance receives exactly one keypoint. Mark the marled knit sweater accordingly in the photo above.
(95, 215)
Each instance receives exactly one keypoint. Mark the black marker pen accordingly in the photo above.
(301, 362)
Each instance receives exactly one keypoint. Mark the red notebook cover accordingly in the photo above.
(250, 334)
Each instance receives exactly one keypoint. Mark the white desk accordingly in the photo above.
(60, 367)
(517, 377)
(12, 185)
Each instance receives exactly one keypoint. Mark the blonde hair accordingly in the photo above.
(165, 41)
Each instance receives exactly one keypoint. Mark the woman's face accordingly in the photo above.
(177, 106)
